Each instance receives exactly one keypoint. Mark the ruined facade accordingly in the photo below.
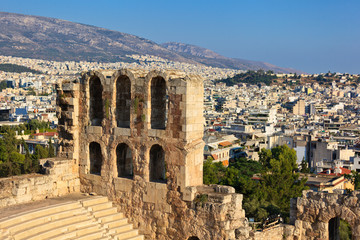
(316, 215)
(137, 138)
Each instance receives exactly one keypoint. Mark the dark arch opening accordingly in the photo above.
(339, 229)
(193, 238)
(124, 161)
(96, 103)
(123, 101)
(158, 103)
(95, 158)
(157, 164)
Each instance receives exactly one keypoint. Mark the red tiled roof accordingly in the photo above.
(225, 163)
(225, 144)
(343, 171)
(48, 134)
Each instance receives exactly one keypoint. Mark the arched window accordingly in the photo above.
(193, 238)
(124, 161)
(158, 103)
(95, 158)
(96, 102)
(339, 229)
(123, 101)
(157, 164)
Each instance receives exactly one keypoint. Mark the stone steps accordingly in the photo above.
(86, 219)
(120, 229)
(140, 237)
(126, 235)
(80, 231)
(116, 225)
(93, 201)
(94, 235)
(22, 217)
(44, 219)
(48, 228)
(4, 235)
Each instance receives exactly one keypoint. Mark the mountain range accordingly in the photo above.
(60, 40)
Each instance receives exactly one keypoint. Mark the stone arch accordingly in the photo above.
(193, 238)
(96, 113)
(95, 158)
(340, 212)
(124, 161)
(157, 166)
(338, 228)
(158, 103)
(123, 101)
(326, 211)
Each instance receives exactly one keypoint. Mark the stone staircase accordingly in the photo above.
(85, 219)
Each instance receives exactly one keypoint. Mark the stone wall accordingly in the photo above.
(278, 232)
(167, 204)
(61, 177)
(312, 213)
(173, 203)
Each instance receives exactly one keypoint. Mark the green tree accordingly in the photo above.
(51, 149)
(213, 172)
(3, 85)
(345, 230)
(355, 179)
(30, 162)
(304, 166)
(41, 152)
(280, 182)
(270, 192)
(11, 161)
(31, 91)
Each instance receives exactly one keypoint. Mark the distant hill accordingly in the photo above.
(60, 40)
(210, 58)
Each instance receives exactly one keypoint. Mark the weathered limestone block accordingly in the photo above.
(122, 131)
(219, 198)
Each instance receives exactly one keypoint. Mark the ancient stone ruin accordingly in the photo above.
(137, 139)
(316, 215)
(135, 136)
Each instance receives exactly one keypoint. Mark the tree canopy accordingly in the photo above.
(12, 162)
(9, 67)
(252, 77)
(3, 85)
(267, 185)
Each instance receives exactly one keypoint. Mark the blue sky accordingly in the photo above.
(310, 35)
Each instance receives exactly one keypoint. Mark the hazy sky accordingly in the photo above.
(309, 35)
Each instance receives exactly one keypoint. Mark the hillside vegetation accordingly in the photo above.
(252, 77)
(268, 78)
(9, 67)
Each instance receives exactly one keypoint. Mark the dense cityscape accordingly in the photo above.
(319, 120)
(162, 120)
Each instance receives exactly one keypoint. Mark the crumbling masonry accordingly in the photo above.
(137, 138)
